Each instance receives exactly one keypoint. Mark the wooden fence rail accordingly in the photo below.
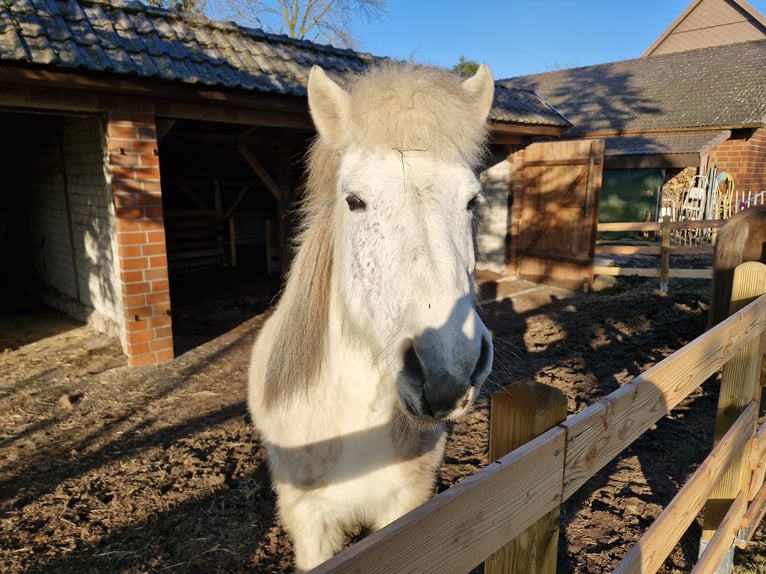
(664, 249)
(460, 527)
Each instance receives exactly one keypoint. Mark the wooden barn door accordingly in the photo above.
(559, 215)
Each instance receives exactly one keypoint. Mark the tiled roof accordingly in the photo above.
(723, 86)
(665, 143)
(524, 106)
(127, 38)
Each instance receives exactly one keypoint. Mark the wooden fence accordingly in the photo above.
(668, 231)
(459, 528)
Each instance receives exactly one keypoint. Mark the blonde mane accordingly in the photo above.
(394, 106)
(402, 106)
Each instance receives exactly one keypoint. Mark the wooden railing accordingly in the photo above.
(459, 528)
(664, 249)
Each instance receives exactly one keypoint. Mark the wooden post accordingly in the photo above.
(521, 412)
(665, 254)
(740, 385)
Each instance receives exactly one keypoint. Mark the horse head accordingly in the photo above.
(403, 197)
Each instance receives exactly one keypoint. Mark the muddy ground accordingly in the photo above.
(108, 469)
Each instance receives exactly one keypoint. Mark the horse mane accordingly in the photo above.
(395, 106)
(301, 337)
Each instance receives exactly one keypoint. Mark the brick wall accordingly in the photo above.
(744, 159)
(71, 224)
(133, 163)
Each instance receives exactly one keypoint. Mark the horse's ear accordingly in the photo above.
(481, 88)
(330, 107)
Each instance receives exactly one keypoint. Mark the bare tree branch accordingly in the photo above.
(319, 20)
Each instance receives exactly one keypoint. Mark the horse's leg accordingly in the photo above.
(316, 535)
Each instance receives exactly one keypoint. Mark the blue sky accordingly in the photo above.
(518, 37)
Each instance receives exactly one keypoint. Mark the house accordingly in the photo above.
(708, 23)
(690, 112)
(696, 99)
(140, 145)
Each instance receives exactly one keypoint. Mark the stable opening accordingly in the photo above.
(56, 239)
(225, 190)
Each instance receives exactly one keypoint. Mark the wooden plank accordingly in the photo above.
(600, 432)
(716, 549)
(457, 529)
(652, 272)
(653, 249)
(520, 412)
(251, 107)
(658, 541)
(757, 461)
(557, 162)
(657, 225)
(740, 384)
(629, 226)
(665, 254)
(627, 250)
(752, 518)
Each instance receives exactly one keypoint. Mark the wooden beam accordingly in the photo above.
(652, 272)
(194, 101)
(657, 225)
(260, 171)
(652, 249)
(757, 461)
(498, 129)
(230, 210)
(520, 412)
(291, 138)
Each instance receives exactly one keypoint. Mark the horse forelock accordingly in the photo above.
(403, 107)
(301, 337)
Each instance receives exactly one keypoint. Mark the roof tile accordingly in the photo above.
(126, 37)
(720, 86)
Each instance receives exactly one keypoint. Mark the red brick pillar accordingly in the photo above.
(135, 172)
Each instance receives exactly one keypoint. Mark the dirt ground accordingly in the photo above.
(157, 469)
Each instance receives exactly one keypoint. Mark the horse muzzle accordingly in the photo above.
(440, 379)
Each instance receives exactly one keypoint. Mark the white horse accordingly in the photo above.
(375, 342)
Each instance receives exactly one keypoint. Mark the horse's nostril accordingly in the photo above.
(412, 365)
(484, 364)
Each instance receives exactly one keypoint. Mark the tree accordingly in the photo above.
(466, 67)
(317, 20)
(196, 7)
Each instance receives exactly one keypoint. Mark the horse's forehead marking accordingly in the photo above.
(406, 166)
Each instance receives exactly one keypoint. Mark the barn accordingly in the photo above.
(144, 147)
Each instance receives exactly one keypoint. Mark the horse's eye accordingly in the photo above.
(475, 202)
(354, 202)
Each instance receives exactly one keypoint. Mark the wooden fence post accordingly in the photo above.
(740, 385)
(520, 412)
(665, 254)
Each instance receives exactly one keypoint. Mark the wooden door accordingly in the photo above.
(559, 212)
